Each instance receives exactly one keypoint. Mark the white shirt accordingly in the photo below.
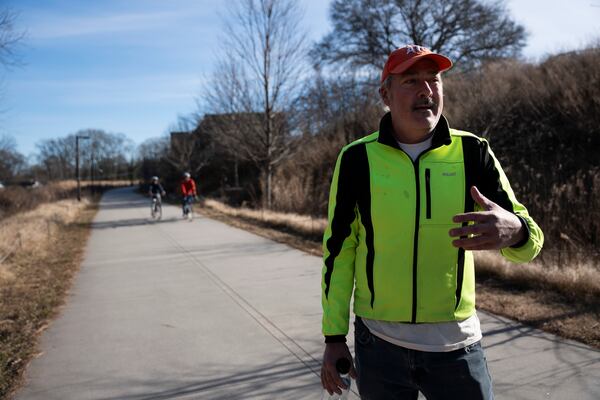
(438, 336)
(434, 337)
(414, 149)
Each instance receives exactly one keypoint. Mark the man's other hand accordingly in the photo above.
(493, 228)
(330, 378)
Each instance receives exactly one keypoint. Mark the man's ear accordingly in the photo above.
(383, 92)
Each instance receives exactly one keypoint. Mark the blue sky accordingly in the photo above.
(133, 66)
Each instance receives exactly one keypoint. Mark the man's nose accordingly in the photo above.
(425, 89)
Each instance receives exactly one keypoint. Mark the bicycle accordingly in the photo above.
(156, 207)
(188, 211)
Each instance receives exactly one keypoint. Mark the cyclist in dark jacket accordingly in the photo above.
(156, 189)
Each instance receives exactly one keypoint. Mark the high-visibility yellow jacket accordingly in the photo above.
(387, 240)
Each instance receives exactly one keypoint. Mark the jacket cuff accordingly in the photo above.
(526, 239)
(335, 339)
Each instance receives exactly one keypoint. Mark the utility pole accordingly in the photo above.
(92, 189)
(77, 137)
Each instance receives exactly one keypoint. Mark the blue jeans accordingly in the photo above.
(390, 372)
(187, 201)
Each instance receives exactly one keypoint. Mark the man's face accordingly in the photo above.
(415, 99)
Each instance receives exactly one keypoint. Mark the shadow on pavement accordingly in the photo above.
(131, 222)
(267, 382)
(243, 249)
(570, 368)
(114, 205)
(518, 330)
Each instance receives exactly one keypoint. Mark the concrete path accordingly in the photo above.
(200, 310)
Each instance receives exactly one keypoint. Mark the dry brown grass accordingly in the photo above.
(305, 226)
(219, 211)
(579, 282)
(72, 183)
(543, 309)
(542, 122)
(15, 199)
(564, 301)
(35, 277)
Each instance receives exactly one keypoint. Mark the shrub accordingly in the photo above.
(542, 122)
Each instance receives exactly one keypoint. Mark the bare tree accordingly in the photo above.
(104, 154)
(255, 81)
(343, 106)
(11, 161)
(9, 37)
(153, 148)
(468, 31)
(57, 157)
(187, 147)
(151, 157)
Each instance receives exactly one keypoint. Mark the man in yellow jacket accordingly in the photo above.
(408, 205)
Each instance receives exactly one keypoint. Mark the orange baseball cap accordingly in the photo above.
(403, 58)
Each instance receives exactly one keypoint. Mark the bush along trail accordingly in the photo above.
(40, 252)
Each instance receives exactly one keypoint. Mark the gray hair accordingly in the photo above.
(388, 82)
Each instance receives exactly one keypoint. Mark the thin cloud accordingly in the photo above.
(131, 90)
(54, 27)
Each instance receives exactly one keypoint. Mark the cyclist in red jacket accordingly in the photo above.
(188, 190)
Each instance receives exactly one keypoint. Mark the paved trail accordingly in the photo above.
(201, 310)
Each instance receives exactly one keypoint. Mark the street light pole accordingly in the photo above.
(92, 173)
(77, 137)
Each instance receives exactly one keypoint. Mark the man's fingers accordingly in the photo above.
(335, 379)
(474, 243)
(476, 229)
(353, 373)
(333, 382)
(477, 216)
(478, 247)
(326, 381)
(330, 379)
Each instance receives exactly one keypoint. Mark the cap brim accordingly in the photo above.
(443, 63)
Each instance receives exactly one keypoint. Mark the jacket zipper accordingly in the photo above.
(428, 192)
(415, 163)
(413, 318)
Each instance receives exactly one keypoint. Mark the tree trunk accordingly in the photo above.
(236, 174)
(269, 192)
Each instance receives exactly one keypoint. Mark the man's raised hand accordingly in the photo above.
(492, 228)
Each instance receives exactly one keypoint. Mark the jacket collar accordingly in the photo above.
(441, 132)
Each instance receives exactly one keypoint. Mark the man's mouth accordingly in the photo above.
(425, 106)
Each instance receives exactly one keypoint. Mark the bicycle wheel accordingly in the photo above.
(153, 210)
(158, 211)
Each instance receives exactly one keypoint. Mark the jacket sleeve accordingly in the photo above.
(495, 186)
(339, 245)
